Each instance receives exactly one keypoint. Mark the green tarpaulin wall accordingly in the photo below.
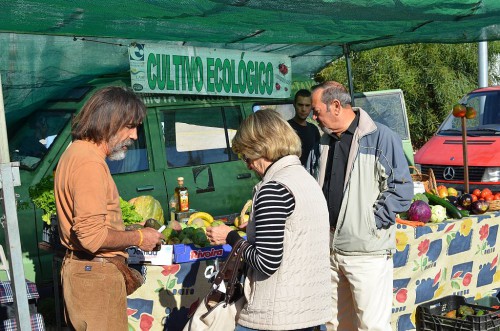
(47, 47)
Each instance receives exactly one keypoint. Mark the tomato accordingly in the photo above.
(497, 196)
(476, 192)
(489, 198)
(474, 197)
(485, 192)
(459, 110)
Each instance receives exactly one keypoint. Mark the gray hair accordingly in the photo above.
(333, 90)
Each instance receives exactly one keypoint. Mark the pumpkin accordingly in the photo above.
(148, 207)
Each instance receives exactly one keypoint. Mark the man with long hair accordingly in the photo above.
(88, 208)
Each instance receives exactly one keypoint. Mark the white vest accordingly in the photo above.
(298, 294)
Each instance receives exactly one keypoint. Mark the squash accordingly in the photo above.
(148, 207)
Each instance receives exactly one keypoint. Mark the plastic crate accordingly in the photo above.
(50, 234)
(430, 316)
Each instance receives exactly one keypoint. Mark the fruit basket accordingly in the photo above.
(494, 205)
(430, 316)
(428, 180)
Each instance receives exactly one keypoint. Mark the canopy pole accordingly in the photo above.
(9, 177)
(349, 71)
(483, 63)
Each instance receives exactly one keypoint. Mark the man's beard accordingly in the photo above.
(117, 151)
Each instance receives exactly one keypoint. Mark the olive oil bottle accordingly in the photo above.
(181, 196)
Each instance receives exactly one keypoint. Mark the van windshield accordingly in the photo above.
(33, 140)
(486, 122)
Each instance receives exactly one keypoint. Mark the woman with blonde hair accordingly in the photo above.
(287, 284)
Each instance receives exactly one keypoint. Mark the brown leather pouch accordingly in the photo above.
(133, 278)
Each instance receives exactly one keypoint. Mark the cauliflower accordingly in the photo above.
(438, 214)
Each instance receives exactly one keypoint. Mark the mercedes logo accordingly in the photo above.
(448, 173)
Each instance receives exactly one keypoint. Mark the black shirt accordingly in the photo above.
(309, 137)
(333, 186)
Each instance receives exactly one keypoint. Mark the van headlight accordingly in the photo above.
(491, 175)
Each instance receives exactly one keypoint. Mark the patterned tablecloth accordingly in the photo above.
(458, 257)
(454, 257)
(164, 301)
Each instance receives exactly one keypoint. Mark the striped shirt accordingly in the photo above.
(273, 205)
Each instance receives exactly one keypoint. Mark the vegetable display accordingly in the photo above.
(450, 208)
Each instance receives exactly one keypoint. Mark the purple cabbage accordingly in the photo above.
(419, 211)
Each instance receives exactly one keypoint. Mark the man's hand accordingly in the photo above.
(150, 239)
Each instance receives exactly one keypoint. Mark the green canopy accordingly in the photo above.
(48, 47)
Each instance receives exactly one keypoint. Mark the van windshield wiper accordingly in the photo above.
(455, 132)
(492, 130)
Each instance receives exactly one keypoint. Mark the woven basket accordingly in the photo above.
(494, 205)
(428, 180)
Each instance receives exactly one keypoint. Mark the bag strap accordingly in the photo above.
(235, 260)
(233, 282)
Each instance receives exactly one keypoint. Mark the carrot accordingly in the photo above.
(409, 223)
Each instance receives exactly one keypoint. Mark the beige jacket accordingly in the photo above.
(298, 294)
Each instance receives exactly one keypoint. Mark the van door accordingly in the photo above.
(197, 144)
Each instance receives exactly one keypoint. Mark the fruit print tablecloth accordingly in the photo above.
(457, 257)
(163, 302)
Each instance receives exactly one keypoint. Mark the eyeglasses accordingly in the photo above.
(244, 158)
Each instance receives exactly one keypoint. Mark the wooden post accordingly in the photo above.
(464, 147)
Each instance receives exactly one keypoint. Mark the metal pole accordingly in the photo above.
(483, 64)
(9, 177)
(349, 72)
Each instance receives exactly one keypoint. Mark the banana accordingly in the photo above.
(206, 217)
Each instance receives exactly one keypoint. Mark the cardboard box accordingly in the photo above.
(191, 253)
(161, 257)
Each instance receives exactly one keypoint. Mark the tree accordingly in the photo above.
(433, 77)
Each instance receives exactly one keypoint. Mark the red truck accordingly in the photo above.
(443, 153)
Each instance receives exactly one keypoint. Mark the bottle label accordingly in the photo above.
(184, 201)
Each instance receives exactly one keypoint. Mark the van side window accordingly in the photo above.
(33, 139)
(286, 110)
(200, 136)
(136, 158)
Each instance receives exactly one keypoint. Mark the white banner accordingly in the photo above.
(207, 71)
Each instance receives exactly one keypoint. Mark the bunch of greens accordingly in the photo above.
(42, 195)
(129, 215)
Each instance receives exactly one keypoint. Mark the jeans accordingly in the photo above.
(242, 328)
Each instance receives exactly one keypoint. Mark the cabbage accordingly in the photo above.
(438, 213)
(148, 207)
(419, 211)
(420, 196)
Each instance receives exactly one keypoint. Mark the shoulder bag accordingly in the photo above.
(219, 309)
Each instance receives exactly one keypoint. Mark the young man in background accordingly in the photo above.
(307, 132)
